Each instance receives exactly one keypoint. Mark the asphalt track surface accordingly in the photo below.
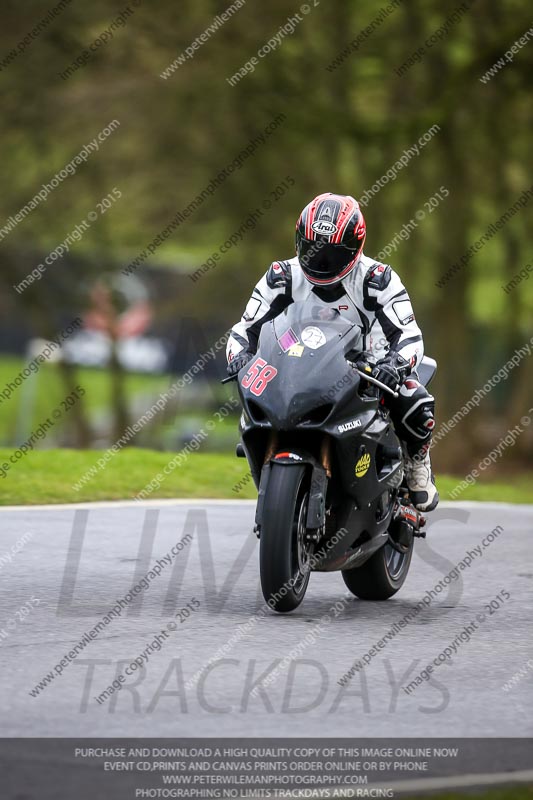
(78, 560)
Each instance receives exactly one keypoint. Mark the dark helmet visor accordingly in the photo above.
(322, 260)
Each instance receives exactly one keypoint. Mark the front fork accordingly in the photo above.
(321, 472)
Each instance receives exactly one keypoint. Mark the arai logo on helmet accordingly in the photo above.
(323, 227)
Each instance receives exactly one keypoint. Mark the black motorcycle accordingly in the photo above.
(325, 459)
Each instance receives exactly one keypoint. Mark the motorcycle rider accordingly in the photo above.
(330, 235)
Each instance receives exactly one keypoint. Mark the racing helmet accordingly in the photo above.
(330, 235)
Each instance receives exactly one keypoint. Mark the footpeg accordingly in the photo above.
(421, 531)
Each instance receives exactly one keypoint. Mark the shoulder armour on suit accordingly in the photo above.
(378, 276)
(279, 274)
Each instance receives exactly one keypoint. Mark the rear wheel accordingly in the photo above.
(381, 576)
(283, 551)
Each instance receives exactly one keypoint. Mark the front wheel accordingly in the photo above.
(283, 551)
(381, 576)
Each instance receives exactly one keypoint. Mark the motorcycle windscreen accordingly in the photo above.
(304, 346)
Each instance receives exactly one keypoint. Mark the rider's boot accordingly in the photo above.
(420, 480)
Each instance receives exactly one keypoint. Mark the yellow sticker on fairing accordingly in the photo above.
(296, 350)
(361, 468)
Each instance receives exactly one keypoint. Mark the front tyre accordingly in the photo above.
(381, 576)
(283, 551)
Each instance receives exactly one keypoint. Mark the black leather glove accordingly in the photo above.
(237, 363)
(392, 371)
(360, 359)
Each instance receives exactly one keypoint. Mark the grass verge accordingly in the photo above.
(49, 476)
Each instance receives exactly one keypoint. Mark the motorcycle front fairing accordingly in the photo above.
(299, 380)
(308, 376)
(304, 382)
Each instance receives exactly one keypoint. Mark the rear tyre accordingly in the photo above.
(283, 552)
(381, 576)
